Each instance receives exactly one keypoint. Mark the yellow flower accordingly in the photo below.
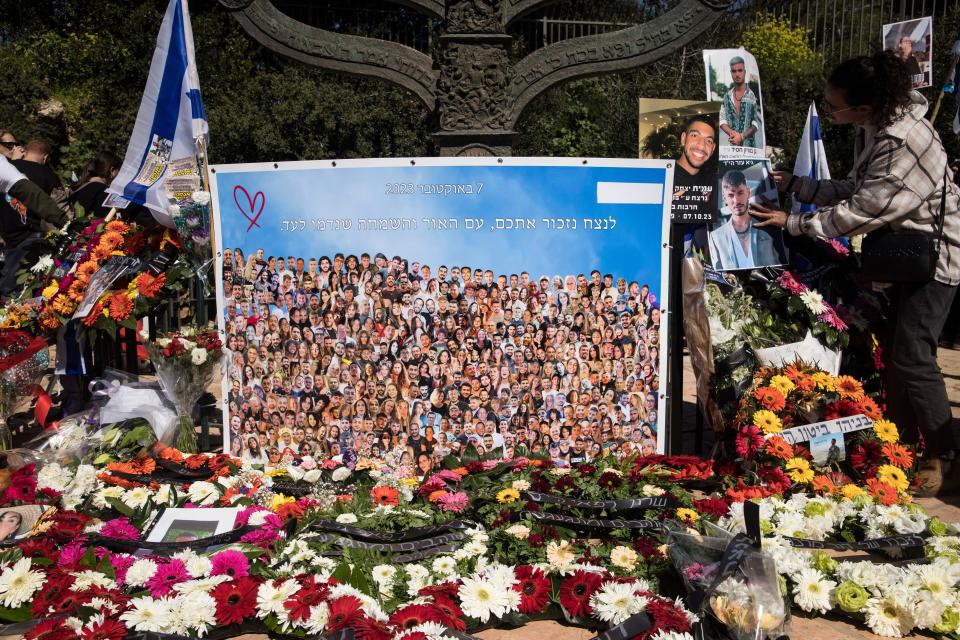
(767, 421)
(894, 476)
(824, 381)
(799, 470)
(51, 290)
(851, 491)
(278, 500)
(687, 515)
(506, 496)
(273, 473)
(411, 482)
(782, 384)
(886, 431)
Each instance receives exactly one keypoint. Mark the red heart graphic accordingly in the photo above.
(251, 205)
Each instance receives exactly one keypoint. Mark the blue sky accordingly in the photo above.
(304, 191)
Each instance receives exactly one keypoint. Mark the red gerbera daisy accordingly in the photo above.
(452, 615)
(534, 588)
(446, 589)
(235, 600)
(365, 628)
(748, 442)
(344, 612)
(106, 630)
(54, 592)
(309, 595)
(414, 614)
(575, 592)
(51, 629)
(666, 616)
(865, 456)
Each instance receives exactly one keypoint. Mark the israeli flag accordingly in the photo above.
(812, 156)
(171, 118)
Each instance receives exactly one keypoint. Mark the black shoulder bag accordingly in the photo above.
(906, 255)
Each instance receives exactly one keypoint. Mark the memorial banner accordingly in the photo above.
(912, 41)
(411, 308)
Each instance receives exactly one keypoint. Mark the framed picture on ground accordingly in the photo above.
(190, 525)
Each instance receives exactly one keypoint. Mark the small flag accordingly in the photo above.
(171, 117)
(812, 156)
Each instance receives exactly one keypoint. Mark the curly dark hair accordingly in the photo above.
(880, 81)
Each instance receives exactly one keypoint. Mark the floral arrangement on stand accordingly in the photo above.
(796, 395)
(186, 362)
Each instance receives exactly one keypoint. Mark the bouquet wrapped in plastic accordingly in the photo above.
(23, 359)
(186, 363)
(732, 581)
(192, 217)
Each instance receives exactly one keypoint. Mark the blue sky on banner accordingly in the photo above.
(170, 119)
(630, 249)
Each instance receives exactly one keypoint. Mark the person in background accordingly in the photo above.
(9, 147)
(91, 189)
(34, 165)
(897, 182)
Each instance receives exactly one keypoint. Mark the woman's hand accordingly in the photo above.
(769, 217)
(782, 178)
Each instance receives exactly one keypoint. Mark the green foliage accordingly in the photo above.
(782, 48)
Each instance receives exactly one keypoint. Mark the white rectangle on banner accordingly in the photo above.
(629, 193)
(806, 432)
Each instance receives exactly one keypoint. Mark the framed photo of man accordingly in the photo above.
(733, 80)
(912, 40)
(735, 243)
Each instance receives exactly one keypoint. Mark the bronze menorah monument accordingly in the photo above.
(475, 89)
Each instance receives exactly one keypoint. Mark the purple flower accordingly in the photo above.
(167, 575)
(230, 563)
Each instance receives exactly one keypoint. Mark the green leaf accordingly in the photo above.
(20, 614)
(119, 506)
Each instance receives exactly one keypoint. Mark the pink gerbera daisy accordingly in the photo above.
(231, 563)
(168, 574)
(455, 502)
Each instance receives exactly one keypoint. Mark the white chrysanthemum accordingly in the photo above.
(198, 356)
(196, 564)
(18, 583)
(163, 494)
(813, 591)
(53, 476)
(202, 198)
(480, 599)
(614, 602)
(86, 579)
(270, 597)
(257, 518)
(100, 497)
(340, 474)
(814, 302)
(139, 572)
(934, 580)
(44, 263)
(147, 614)
(520, 485)
(102, 604)
(623, 557)
(202, 585)
(384, 573)
(560, 555)
(346, 518)
(928, 610)
(318, 618)
(203, 493)
(416, 571)
(885, 618)
(501, 575)
(433, 630)
(444, 565)
(651, 491)
(670, 635)
(692, 618)
(519, 531)
(136, 497)
(197, 610)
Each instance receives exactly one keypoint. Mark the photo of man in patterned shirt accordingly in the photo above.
(740, 111)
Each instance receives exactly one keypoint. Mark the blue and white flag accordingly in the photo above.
(812, 156)
(171, 117)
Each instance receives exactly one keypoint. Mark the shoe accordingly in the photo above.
(930, 478)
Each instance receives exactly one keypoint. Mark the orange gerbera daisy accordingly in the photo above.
(899, 456)
(101, 254)
(390, 497)
(77, 290)
(111, 240)
(779, 448)
(117, 226)
(849, 387)
(94, 315)
(436, 495)
(793, 372)
(885, 493)
(49, 320)
(770, 398)
(120, 306)
(822, 484)
(86, 270)
(149, 286)
(64, 305)
(870, 409)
